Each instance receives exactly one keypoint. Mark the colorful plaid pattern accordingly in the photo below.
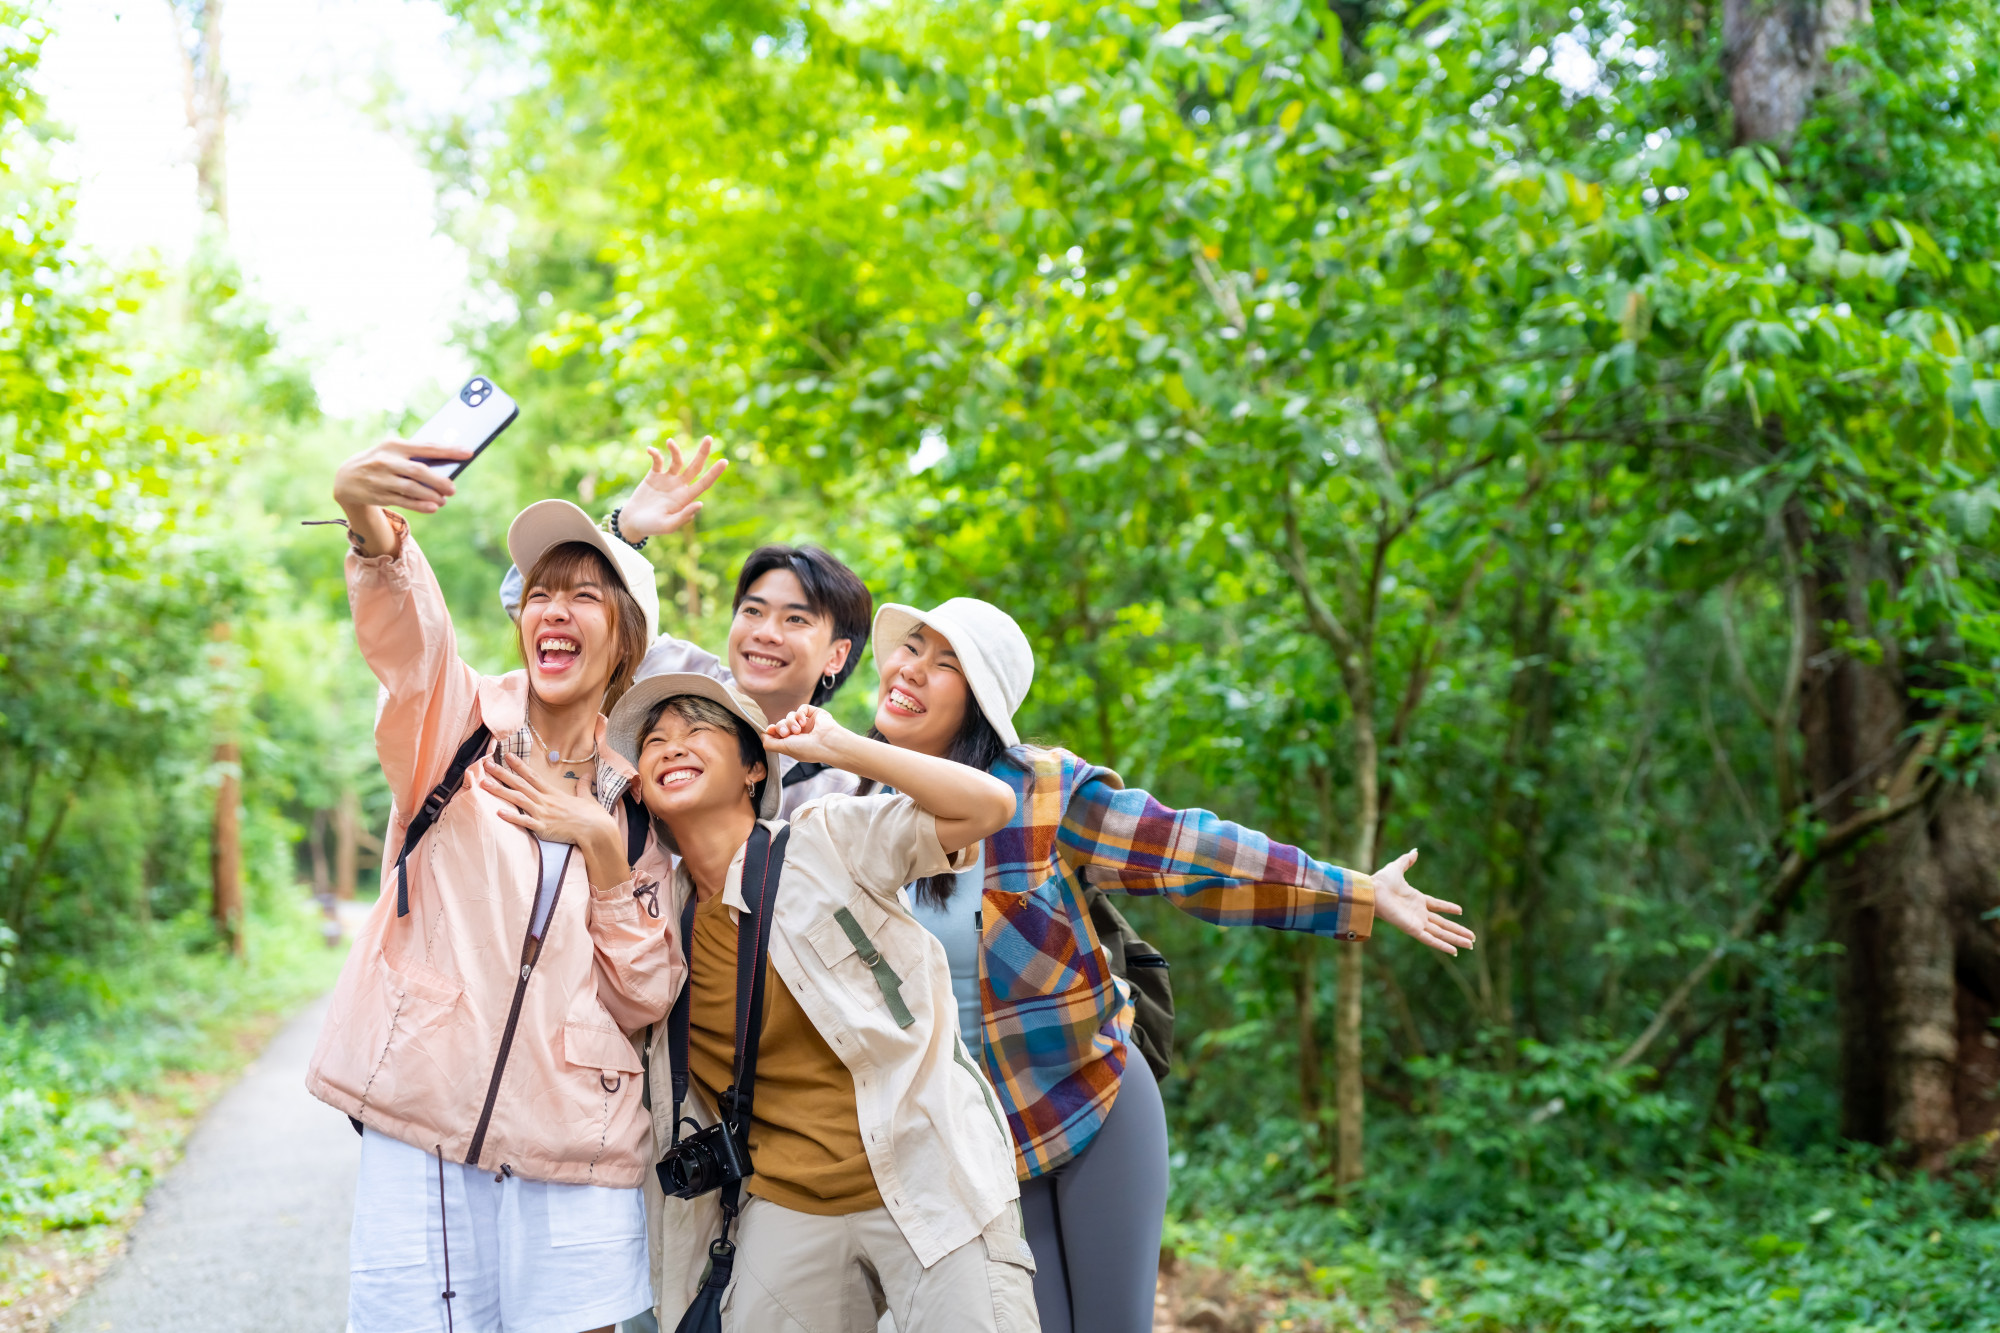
(1055, 1019)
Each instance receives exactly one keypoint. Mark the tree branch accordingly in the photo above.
(1791, 876)
(1224, 298)
(1292, 558)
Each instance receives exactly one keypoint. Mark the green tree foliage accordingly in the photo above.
(1393, 423)
(1432, 389)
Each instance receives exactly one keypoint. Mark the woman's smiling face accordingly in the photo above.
(924, 693)
(691, 766)
(566, 639)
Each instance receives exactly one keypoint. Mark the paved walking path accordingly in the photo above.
(249, 1232)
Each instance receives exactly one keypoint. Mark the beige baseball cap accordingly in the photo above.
(999, 665)
(629, 714)
(550, 523)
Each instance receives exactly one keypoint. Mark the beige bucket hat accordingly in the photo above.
(999, 664)
(622, 729)
(550, 523)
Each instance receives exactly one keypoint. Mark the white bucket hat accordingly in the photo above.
(550, 523)
(622, 729)
(999, 665)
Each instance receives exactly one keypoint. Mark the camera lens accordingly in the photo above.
(690, 1170)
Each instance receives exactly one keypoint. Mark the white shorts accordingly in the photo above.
(527, 1256)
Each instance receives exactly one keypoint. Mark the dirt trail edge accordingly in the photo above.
(249, 1231)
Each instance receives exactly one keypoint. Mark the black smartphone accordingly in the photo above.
(474, 418)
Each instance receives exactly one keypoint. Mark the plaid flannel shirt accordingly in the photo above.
(1055, 1021)
(607, 783)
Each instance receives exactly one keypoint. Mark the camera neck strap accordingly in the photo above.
(763, 865)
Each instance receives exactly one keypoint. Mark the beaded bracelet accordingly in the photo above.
(639, 545)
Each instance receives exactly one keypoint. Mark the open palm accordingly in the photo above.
(670, 495)
(1416, 913)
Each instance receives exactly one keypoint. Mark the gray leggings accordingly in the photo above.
(1094, 1222)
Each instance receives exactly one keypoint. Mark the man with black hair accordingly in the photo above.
(800, 620)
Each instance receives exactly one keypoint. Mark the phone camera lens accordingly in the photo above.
(476, 392)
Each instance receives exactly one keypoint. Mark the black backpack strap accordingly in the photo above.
(801, 772)
(638, 822)
(433, 806)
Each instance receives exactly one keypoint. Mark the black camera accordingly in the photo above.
(705, 1160)
(476, 391)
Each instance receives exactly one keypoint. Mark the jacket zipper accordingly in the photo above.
(531, 952)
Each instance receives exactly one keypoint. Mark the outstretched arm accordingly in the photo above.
(400, 618)
(1229, 875)
(966, 803)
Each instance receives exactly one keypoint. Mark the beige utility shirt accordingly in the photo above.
(877, 986)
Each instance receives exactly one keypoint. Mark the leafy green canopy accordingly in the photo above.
(1297, 373)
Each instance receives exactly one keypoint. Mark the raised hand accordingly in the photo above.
(670, 495)
(1417, 914)
(387, 475)
(807, 734)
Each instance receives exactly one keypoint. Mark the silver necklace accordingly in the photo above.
(555, 755)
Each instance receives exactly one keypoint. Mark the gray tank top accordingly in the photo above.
(956, 926)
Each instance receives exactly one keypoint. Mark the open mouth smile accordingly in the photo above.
(764, 661)
(678, 776)
(557, 652)
(904, 703)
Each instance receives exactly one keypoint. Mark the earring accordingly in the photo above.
(826, 681)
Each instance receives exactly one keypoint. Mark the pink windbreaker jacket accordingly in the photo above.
(424, 1043)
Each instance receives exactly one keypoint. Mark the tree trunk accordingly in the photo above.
(1347, 1089)
(205, 91)
(1774, 53)
(1892, 896)
(346, 843)
(1968, 852)
(226, 848)
(322, 878)
(1305, 996)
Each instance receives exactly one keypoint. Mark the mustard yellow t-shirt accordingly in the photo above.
(805, 1138)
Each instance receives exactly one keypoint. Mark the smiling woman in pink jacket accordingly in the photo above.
(480, 1036)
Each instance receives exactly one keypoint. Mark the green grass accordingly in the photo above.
(74, 1091)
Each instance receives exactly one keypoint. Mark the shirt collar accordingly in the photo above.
(503, 705)
(732, 882)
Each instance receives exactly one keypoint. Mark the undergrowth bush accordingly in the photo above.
(67, 1085)
(1562, 1195)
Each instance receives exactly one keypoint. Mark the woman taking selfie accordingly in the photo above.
(797, 623)
(1034, 985)
(882, 1176)
(480, 1034)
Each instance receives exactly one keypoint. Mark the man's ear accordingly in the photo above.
(837, 658)
(757, 773)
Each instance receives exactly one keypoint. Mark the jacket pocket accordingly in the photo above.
(1006, 1239)
(852, 932)
(590, 1046)
(418, 979)
(416, 1039)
